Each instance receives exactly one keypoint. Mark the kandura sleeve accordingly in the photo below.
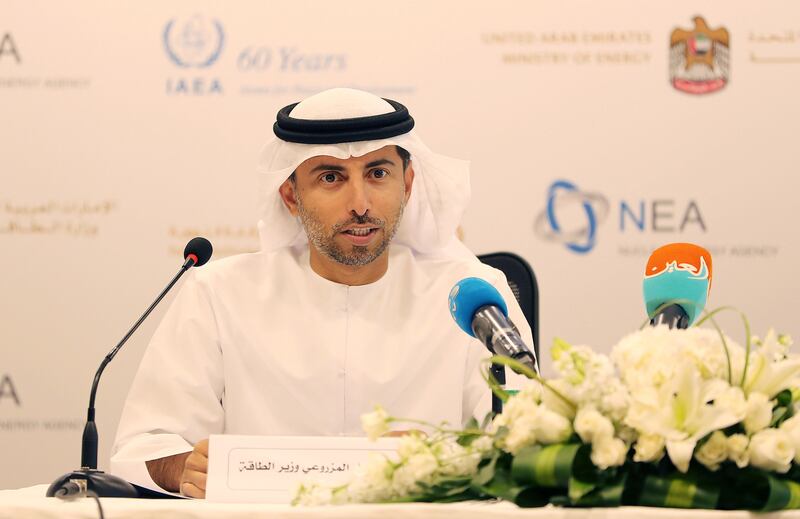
(176, 397)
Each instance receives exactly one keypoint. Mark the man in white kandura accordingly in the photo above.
(344, 307)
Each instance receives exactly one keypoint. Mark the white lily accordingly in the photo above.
(767, 376)
(774, 347)
(682, 412)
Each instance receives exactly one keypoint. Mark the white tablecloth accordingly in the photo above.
(31, 503)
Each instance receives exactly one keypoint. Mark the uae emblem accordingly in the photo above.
(699, 58)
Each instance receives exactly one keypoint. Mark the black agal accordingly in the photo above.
(335, 131)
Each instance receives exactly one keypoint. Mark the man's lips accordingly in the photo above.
(361, 230)
(360, 235)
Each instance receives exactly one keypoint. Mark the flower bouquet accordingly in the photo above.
(672, 418)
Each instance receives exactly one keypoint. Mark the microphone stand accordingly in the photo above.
(88, 479)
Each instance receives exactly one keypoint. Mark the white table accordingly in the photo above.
(30, 503)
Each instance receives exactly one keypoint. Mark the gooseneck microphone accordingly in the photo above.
(677, 281)
(88, 479)
(479, 309)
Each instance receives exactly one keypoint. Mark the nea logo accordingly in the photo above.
(8, 49)
(8, 391)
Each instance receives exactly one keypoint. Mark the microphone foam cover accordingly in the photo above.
(201, 248)
(679, 272)
(469, 295)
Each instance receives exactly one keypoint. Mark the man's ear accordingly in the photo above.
(288, 192)
(408, 179)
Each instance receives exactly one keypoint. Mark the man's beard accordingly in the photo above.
(325, 239)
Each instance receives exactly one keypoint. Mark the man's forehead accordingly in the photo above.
(387, 152)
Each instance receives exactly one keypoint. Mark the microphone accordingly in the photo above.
(479, 309)
(198, 250)
(677, 281)
(88, 479)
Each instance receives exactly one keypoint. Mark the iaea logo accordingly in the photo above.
(195, 42)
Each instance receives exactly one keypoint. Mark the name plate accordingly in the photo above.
(268, 469)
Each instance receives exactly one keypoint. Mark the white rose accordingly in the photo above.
(372, 481)
(608, 452)
(517, 408)
(733, 401)
(737, 450)
(592, 426)
(465, 464)
(417, 469)
(771, 449)
(520, 434)
(551, 427)
(627, 434)
(644, 358)
(649, 448)
(714, 451)
(483, 444)
(498, 421)
(792, 428)
(410, 445)
(454, 459)
(555, 402)
(531, 392)
(616, 403)
(705, 349)
(376, 423)
(759, 412)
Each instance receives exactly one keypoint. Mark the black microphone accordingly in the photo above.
(198, 250)
(479, 309)
(88, 479)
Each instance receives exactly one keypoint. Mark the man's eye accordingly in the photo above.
(379, 173)
(329, 178)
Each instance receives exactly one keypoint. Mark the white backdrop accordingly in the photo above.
(126, 128)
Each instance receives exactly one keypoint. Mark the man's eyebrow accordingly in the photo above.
(326, 167)
(379, 162)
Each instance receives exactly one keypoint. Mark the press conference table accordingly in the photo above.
(31, 503)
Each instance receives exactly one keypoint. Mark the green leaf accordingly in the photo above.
(783, 495)
(784, 398)
(549, 466)
(503, 487)
(761, 491)
(466, 440)
(501, 484)
(532, 497)
(679, 491)
(500, 434)
(486, 471)
(609, 494)
(577, 489)
(472, 423)
(780, 415)
(487, 420)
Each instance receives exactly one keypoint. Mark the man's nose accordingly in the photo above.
(359, 197)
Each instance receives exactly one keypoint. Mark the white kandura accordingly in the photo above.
(260, 344)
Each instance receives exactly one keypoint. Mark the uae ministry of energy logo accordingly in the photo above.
(584, 212)
(699, 58)
(195, 42)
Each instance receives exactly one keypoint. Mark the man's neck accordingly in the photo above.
(348, 274)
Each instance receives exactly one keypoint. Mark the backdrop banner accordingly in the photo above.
(597, 131)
